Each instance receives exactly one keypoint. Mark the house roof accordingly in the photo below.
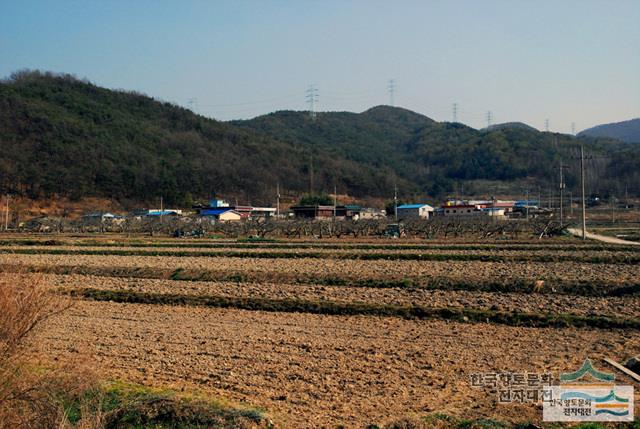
(161, 213)
(215, 212)
(413, 206)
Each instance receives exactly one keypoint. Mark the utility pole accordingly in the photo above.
(395, 202)
(562, 186)
(311, 175)
(335, 201)
(6, 215)
(455, 112)
(626, 196)
(391, 88)
(278, 200)
(539, 197)
(312, 99)
(613, 209)
(571, 204)
(584, 208)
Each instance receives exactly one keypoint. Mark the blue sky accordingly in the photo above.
(568, 61)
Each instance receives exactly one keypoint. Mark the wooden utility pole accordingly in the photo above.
(613, 209)
(584, 207)
(395, 202)
(571, 204)
(278, 201)
(562, 186)
(6, 215)
(335, 201)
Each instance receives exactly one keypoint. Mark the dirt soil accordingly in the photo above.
(627, 306)
(320, 371)
(374, 269)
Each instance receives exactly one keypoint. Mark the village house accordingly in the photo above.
(414, 211)
(349, 211)
(223, 214)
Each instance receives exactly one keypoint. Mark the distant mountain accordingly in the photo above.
(62, 136)
(518, 125)
(626, 131)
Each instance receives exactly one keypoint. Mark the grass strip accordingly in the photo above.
(126, 405)
(561, 320)
(488, 257)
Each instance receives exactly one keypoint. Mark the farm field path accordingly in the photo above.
(603, 238)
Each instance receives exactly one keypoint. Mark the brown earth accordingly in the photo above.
(374, 269)
(627, 307)
(319, 371)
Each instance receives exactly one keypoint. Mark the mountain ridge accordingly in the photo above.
(627, 131)
(63, 136)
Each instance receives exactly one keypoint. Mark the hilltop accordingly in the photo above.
(66, 137)
(626, 131)
(520, 125)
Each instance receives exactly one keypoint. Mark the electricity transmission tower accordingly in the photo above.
(193, 104)
(312, 99)
(455, 112)
(573, 128)
(489, 118)
(546, 125)
(391, 88)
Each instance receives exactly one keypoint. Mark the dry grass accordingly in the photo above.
(32, 396)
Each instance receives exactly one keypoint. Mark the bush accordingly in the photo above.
(30, 395)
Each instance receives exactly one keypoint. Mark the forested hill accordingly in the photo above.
(626, 131)
(69, 137)
(435, 157)
(64, 136)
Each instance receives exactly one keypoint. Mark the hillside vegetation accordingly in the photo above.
(626, 131)
(63, 136)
